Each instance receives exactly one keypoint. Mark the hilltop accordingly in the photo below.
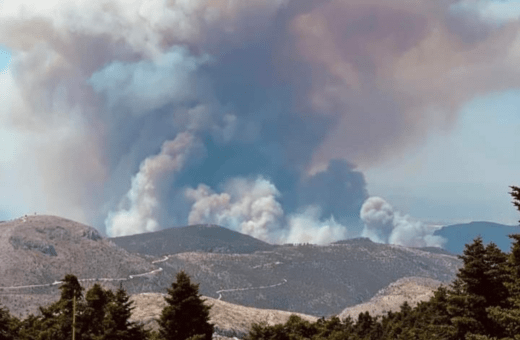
(195, 238)
(41, 249)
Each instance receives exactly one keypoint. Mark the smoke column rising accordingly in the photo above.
(251, 207)
(385, 225)
(143, 198)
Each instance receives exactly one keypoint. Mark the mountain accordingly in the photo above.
(196, 238)
(458, 235)
(40, 249)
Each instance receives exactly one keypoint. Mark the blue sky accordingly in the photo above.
(461, 174)
(304, 112)
(5, 58)
(464, 173)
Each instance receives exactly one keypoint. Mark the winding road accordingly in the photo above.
(155, 271)
(219, 292)
(105, 279)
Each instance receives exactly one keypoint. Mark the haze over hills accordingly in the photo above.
(457, 235)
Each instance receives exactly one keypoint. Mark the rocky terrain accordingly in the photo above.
(41, 249)
(389, 299)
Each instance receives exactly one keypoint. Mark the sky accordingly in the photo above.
(291, 121)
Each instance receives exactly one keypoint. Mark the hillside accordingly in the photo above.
(228, 318)
(457, 235)
(41, 249)
(315, 280)
(410, 289)
(196, 238)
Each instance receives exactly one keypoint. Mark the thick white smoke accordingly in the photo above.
(247, 206)
(307, 227)
(251, 207)
(140, 209)
(383, 224)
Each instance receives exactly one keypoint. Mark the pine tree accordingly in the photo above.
(56, 320)
(515, 192)
(94, 314)
(117, 322)
(471, 293)
(508, 317)
(185, 315)
(7, 325)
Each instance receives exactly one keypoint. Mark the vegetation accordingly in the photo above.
(482, 303)
(186, 315)
(101, 314)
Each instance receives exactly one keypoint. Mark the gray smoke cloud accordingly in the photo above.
(384, 224)
(294, 92)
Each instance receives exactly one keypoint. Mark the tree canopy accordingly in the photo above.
(185, 315)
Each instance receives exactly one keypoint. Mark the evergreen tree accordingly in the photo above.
(515, 192)
(484, 267)
(94, 313)
(55, 322)
(186, 314)
(29, 328)
(117, 323)
(508, 317)
(7, 325)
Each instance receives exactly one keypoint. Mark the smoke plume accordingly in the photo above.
(247, 206)
(251, 207)
(139, 210)
(385, 225)
(291, 93)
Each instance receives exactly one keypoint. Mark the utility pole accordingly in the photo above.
(74, 317)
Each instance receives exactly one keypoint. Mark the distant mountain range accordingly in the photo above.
(458, 235)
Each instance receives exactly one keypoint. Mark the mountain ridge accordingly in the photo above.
(458, 235)
(198, 238)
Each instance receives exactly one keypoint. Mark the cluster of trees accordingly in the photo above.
(483, 303)
(101, 314)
